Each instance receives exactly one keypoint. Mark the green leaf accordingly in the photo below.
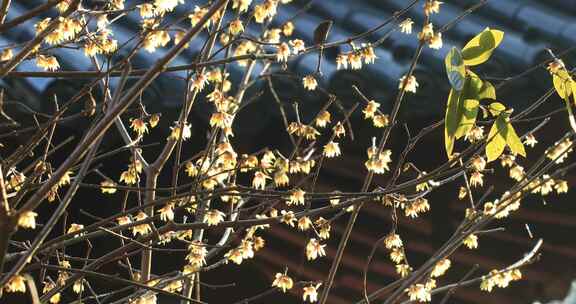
(480, 48)
(496, 139)
(468, 119)
(513, 141)
(496, 108)
(462, 108)
(451, 120)
(472, 87)
(448, 142)
(479, 89)
(487, 91)
(455, 69)
(561, 80)
(573, 85)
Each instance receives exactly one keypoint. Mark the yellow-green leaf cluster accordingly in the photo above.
(480, 48)
(455, 69)
(502, 134)
(467, 88)
(462, 108)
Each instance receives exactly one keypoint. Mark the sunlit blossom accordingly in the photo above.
(27, 219)
(283, 282)
(406, 26)
(314, 249)
(310, 293)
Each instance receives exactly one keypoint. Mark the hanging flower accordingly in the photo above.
(304, 223)
(108, 187)
(322, 119)
(197, 254)
(141, 229)
(283, 281)
(75, 227)
(55, 299)
(163, 6)
(477, 179)
(332, 149)
(432, 7)
(561, 186)
(471, 241)
(6, 54)
(175, 134)
(78, 286)
(297, 46)
(397, 255)
(27, 219)
(517, 173)
(296, 197)
(314, 250)
(435, 41)
(403, 270)
(530, 140)
(213, 217)
(418, 292)
(48, 63)
(167, 212)
(339, 130)
(139, 126)
(370, 109)
(16, 284)
(288, 29)
(259, 181)
(241, 5)
(411, 84)
(283, 52)
(406, 26)
(309, 82)
(310, 293)
(154, 120)
(393, 240)
(288, 218)
(440, 268)
(236, 27)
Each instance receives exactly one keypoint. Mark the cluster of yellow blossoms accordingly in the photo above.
(354, 59)
(132, 175)
(499, 279)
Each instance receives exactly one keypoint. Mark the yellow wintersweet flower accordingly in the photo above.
(310, 293)
(213, 217)
(48, 63)
(16, 284)
(296, 197)
(139, 126)
(419, 292)
(236, 27)
(283, 281)
(332, 149)
(314, 249)
(471, 241)
(27, 219)
(283, 52)
(309, 82)
(406, 26)
(411, 84)
(108, 187)
(322, 119)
